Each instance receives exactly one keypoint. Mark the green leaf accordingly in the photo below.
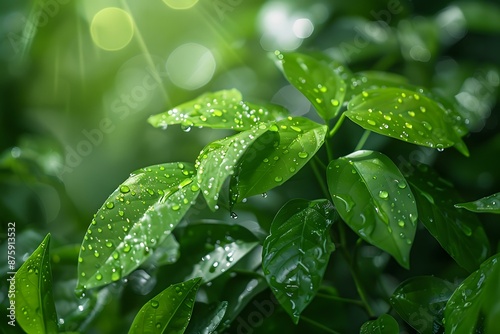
(317, 80)
(408, 116)
(373, 198)
(421, 301)
(169, 311)
(218, 159)
(135, 219)
(459, 232)
(297, 251)
(362, 81)
(224, 109)
(167, 252)
(477, 296)
(206, 318)
(385, 324)
(489, 204)
(276, 156)
(34, 303)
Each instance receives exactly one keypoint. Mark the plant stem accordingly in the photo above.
(329, 152)
(340, 299)
(337, 125)
(317, 173)
(317, 324)
(362, 140)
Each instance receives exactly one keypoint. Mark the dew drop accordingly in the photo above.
(335, 102)
(422, 109)
(401, 223)
(383, 194)
(155, 304)
(303, 155)
(411, 113)
(278, 179)
(387, 117)
(115, 276)
(109, 244)
(264, 195)
(98, 277)
(295, 128)
(371, 122)
(365, 94)
(318, 100)
(234, 215)
(126, 248)
(176, 208)
(110, 205)
(408, 125)
(186, 128)
(124, 189)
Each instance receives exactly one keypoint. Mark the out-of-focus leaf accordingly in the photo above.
(489, 204)
(480, 16)
(385, 324)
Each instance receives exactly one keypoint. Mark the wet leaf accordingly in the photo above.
(317, 80)
(135, 219)
(297, 251)
(408, 116)
(34, 303)
(373, 198)
(421, 301)
(169, 311)
(385, 324)
(366, 80)
(167, 252)
(206, 318)
(476, 297)
(276, 156)
(459, 232)
(489, 204)
(224, 109)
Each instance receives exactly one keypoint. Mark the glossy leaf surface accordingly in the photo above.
(373, 198)
(169, 311)
(489, 204)
(276, 156)
(34, 303)
(385, 324)
(366, 80)
(459, 232)
(206, 318)
(134, 221)
(224, 109)
(297, 251)
(406, 115)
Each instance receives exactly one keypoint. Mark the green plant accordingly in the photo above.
(219, 267)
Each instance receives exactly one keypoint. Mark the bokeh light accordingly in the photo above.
(180, 4)
(112, 29)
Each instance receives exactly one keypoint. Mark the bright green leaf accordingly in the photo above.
(362, 81)
(317, 80)
(276, 156)
(224, 109)
(421, 301)
(373, 198)
(297, 251)
(489, 204)
(478, 296)
(206, 318)
(408, 116)
(34, 303)
(459, 232)
(385, 324)
(169, 311)
(134, 221)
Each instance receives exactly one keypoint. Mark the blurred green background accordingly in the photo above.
(78, 81)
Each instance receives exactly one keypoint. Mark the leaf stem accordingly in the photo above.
(362, 140)
(320, 180)
(317, 324)
(341, 299)
(337, 125)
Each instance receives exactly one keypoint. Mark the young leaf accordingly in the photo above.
(317, 80)
(362, 81)
(218, 160)
(406, 115)
(421, 301)
(297, 251)
(276, 156)
(477, 296)
(134, 221)
(169, 311)
(373, 198)
(206, 318)
(385, 324)
(459, 232)
(34, 302)
(489, 204)
(224, 109)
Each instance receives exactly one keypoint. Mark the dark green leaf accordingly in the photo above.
(166, 253)
(459, 232)
(134, 221)
(489, 204)
(224, 109)
(406, 115)
(373, 198)
(169, 311)
(481, 17)
(476, 297)
(276, 156)
(206, 318)
(385, 324)
(317, 80)
(421, 301)
(34, 303)
(297, 251)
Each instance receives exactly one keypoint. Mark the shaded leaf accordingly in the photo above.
(317, 80)
(34, 303)
(489, 204)
(169, 311)
(477, 296)
(372, 197)
(167, 252)
(206, 318)
(276, 156)
(385, 324)
(224, 109)
(408, 116)
(421, 301)
(459, 232)
(135, 219)
(297, 251)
